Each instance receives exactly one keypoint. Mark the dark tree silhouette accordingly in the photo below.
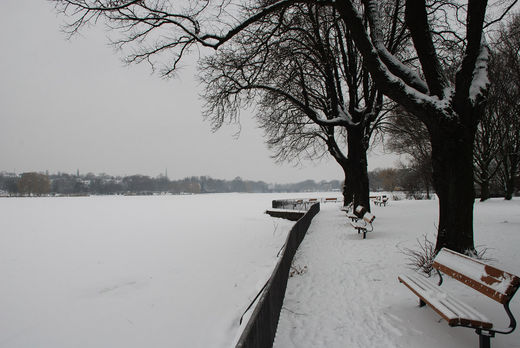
(321, 93)
(506, 102)
(33, 183)
(450, 108)
(405, 134)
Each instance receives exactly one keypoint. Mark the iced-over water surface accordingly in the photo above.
(113, 271)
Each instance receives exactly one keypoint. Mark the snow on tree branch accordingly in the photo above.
(394, 65)
(480, 81)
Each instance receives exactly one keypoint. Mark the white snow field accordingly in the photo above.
(178, 271)
(349, 295)
(113, 271)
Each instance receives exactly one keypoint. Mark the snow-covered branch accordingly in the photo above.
(480, 81)
(392, 85)
(392, 63)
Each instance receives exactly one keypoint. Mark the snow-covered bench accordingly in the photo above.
(356, 214)
(381, 200)
(490, 281)
(362, 220)
(330, 200)
(351, 214)
(346, 208)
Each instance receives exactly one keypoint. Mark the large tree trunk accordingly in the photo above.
(510, 187)
(452, 158)
(510, 179)
(337, 154)
(451, 123)
(483, 178)
(357, 155)
(427, 183)
(485, 194)
(348, 190)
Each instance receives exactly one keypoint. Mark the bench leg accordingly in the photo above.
(484, 338)
(422, 303)
(364, 234)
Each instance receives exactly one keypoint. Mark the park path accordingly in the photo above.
(345, 291)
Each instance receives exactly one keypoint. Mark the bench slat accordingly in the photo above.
(454, 311)
(488, 280)
(353, 217)
(357, 224)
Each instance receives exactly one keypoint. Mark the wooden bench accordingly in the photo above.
(362, 220)
(490, 281)
(381, 200)
(352, 217)
(331, 199)
(350, 212)
(356, 214)
(347, 208)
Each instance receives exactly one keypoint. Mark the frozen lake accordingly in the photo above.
(153, 271)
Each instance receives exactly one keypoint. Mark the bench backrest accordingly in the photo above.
(368, 217)
(492, 282)
(362, 213)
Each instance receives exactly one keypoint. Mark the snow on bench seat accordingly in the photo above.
(453, 310)
(353, 217)
(498, 285)
(362, 224)
(359, 225)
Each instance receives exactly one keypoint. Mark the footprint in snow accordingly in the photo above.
(115, 287)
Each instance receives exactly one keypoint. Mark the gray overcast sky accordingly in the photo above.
(67, 105)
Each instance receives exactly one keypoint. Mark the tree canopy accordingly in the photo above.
(443, 82)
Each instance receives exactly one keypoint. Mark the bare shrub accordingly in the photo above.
(421, 259)
(297, 270)
(480, 253)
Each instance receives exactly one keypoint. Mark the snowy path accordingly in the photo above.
(350, 297)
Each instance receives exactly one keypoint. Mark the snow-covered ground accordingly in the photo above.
(164, 271)
(349, 295)
(178, 271)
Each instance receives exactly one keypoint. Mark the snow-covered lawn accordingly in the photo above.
(349, 295)
(178, 271)
(165, 271)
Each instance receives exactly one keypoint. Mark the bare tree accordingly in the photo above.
(449, 106)
(33, 183)
(489, 137)
(292, 136)
(497, 142)
(302, 106)
(506, 105)
(405, 134)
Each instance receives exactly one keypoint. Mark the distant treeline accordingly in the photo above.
(33, 183)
